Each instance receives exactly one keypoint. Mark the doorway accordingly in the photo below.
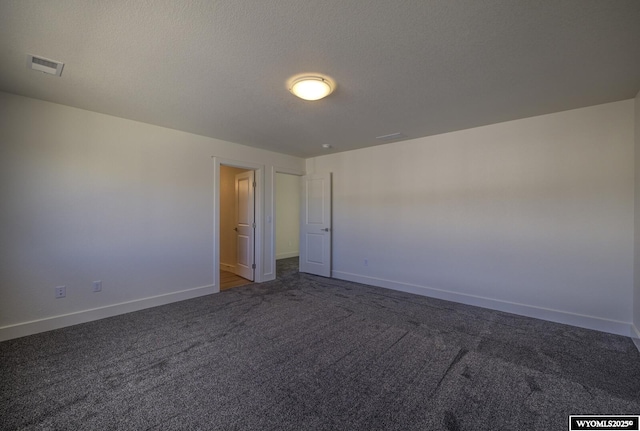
(258, 170)
(287, 203)
(237, 227)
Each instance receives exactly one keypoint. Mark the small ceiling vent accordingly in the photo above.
(45, 65)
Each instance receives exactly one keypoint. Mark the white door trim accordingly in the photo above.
(259, 196)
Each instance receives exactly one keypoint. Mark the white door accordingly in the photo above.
(315, 225)
(245, 224)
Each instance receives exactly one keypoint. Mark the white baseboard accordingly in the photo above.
(227, 267)
(558, 316)
(47, 324)
(287, 255)
(635, 336)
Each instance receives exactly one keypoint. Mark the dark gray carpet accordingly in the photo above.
(308, 353)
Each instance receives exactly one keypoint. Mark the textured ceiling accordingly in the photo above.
(420, 67)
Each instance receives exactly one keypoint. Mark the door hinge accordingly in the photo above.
(254, 225)
(253, 266)
(254, 184)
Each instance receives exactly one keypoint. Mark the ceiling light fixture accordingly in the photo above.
(311, 87)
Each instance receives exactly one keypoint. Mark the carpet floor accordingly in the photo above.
(310, 353)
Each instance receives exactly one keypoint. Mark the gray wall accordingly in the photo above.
(636, 308)
(534, 216)
(87, 196)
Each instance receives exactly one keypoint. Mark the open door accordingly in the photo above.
(315, 225)
(245, 224)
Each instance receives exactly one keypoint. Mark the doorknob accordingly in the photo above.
(326, 229)
(236, 229)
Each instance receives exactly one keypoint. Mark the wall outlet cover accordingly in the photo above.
(61, 291)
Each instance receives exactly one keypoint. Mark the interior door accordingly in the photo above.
(315, 225)
(245, 224)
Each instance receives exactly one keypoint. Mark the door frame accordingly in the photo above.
(259, 216)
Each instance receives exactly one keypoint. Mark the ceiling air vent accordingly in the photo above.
(392, 137)
(45, 65)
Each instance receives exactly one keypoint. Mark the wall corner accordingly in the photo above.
(636, 222)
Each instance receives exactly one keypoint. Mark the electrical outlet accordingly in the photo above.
(97, 286)
(61, 291)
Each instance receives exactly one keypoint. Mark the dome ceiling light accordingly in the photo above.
(311, 87)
